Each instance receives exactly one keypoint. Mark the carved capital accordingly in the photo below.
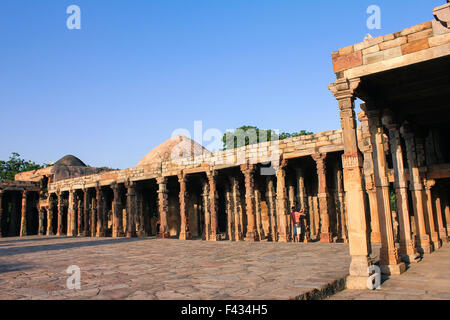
(344, 88)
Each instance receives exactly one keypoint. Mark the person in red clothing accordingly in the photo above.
(295, 218)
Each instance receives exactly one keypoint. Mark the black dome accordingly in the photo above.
(70, 161)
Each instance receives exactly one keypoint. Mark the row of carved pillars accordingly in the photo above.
(28, 200)
(357, 179)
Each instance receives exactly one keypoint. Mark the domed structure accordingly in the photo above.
(174, 149)
(70, 161)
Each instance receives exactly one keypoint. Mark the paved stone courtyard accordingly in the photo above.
(35, 268)
(428, 280)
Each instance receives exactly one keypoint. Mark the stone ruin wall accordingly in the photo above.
(272, 151)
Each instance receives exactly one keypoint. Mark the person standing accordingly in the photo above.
(295, 218)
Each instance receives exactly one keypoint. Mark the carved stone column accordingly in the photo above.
(341, 207)
(85, 213)
(303, 201)
(282, 203)
(206, 208)
(423, 243)
(248, 171)
(23, 220)
(50, 215)
(185, 234)
(71, 215)
(93, 216)
(1, 213)
(429, 214)
(100, 212)
(237, 209)
(389, 259)
(41, 227)
(258, 216)
(163, 207)
(80, 216)
(230, 212)
(325, 232)
(117, 228)
(343, 90)
(139, 216)
(441, 228)
(272, 210)
(213, 197)
(131, 209)
(369, 179)
(447, 213)
(407, 248)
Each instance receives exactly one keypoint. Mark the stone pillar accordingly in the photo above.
(367, 149)
(423, 243)
(282, 203)
(100, 212)
(230, 213)
(258, 216)
(429, 214)
(389, 259)
(163, 207)
(185, 234)
(407, 248)
(447, 213)
(213, 196)
(41, 228)
(248, 171)
(23, 220)
(343, 90)
(441, 228)
(271, 206)
(237, 212)
(131, 209)
(325, 232)
(340, 207)
(86, 212)
(1, 213)
(117, 228)
(50, 215)
(80, 216)
(139, 217)
(303, 201)
(93, 216)
(206, 208)
(71, 215)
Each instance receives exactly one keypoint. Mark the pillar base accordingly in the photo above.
(163, 235)
(393, 269)
(141, 234)
(443, 235)
(50, 233)
(436, 241)
(423, 244)
(185, 236)
(326, 237)
(131, 234)
(357, 282)
(283, 238)
(251, 237)
(410, 258)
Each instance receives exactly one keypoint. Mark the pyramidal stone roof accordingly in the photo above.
(173, 149)
(70, 161)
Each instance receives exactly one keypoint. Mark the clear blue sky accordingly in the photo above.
(139, 69)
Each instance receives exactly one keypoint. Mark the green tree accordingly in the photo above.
(247, 135)
(15, 165)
